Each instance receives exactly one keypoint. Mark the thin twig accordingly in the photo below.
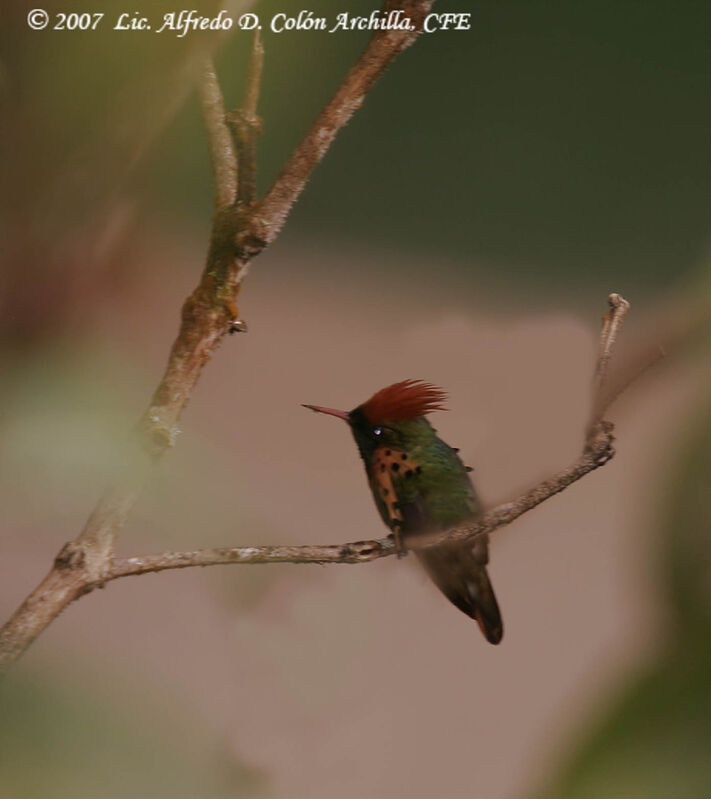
(246, 126)
(355, 552)
(254, 74)
(614, 390)
(222, 153)
(611, 326)
(681, 324)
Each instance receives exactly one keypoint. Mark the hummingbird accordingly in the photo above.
(420, 486)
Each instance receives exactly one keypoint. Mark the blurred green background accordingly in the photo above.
(553, 153)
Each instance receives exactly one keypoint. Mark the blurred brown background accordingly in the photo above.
(466, 229)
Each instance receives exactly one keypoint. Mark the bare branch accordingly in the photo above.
(355, 552)
(222, 154)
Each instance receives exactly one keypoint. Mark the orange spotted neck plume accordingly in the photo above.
(420, 485)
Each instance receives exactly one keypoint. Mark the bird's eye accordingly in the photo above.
(377, 431)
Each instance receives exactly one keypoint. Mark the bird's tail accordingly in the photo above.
(460, 574)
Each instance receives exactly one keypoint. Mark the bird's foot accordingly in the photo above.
(400, 548)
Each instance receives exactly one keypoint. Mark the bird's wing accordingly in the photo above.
(393, 481)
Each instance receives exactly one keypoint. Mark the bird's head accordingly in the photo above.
(387, 417)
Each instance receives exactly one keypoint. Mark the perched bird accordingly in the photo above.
(420, 485)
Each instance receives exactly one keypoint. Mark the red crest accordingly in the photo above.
(404, 401)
